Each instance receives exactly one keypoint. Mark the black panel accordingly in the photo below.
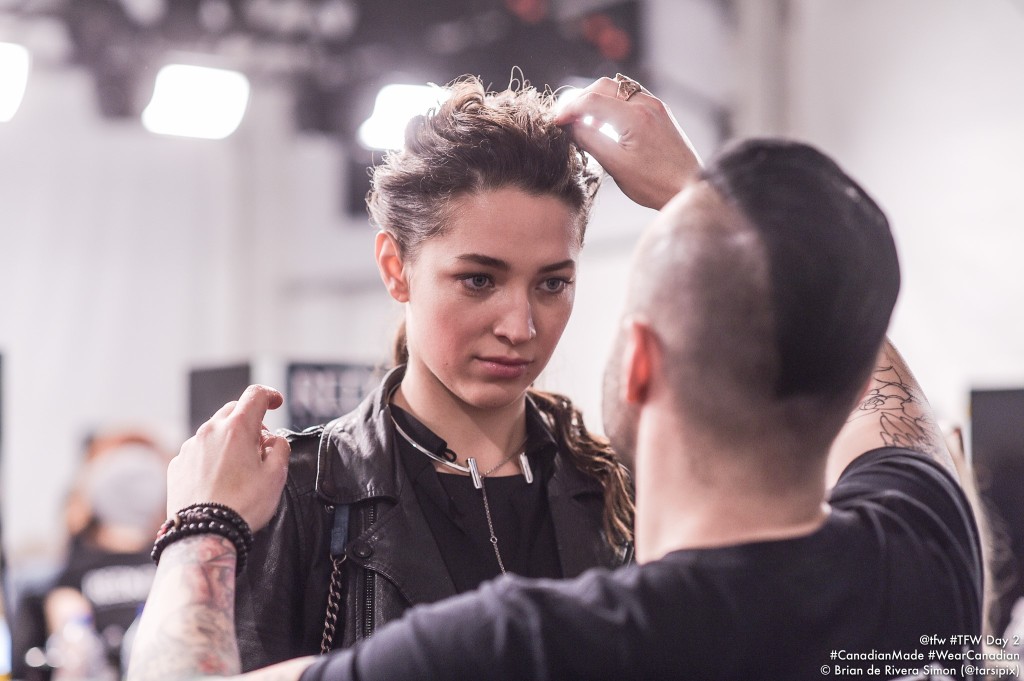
(997, 443)
(210, 389)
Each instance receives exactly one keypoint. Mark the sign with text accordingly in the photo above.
(317, 393)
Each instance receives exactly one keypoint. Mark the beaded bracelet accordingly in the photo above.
(205, 518)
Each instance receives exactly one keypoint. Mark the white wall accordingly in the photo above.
(923, 102)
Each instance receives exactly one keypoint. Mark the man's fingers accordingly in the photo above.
(603, 107)
(569, 111)
(255, 401)
(599, 145)
(225, 411)
(600, 107)
(275, 451)
(610, 86)
(265, 434)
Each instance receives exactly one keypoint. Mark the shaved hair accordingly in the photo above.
(770, 283)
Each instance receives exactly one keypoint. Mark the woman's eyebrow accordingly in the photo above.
(498, 264)
(485, 260)
(567, 263)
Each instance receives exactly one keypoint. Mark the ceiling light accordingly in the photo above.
(196, 101)
(394, 107)
(14, 64)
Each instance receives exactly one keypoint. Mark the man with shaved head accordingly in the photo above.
(797, 514)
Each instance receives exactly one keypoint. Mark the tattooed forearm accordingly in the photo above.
(187, 629)
(904, 417)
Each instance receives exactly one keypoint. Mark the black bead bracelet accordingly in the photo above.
(206, 518)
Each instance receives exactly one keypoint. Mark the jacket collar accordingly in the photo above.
(357, 461)
(350, 464)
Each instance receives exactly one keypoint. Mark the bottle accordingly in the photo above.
(5, 650)
(77, 653)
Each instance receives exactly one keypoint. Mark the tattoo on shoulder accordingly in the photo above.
(904, 419)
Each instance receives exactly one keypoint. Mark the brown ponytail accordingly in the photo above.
(592, 455)
(400, 347)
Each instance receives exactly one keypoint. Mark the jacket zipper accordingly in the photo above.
(369, 585)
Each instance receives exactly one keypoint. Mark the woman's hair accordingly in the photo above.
(478, 141)
(592, 455)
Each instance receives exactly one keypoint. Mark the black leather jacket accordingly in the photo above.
(391, 559)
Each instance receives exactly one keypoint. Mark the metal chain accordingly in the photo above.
(487, 506)
(333, 606)
(490, 525)
(471, 468)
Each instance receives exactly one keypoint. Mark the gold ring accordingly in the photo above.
(627, 87)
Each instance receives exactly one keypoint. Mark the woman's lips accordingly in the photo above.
(504, 367)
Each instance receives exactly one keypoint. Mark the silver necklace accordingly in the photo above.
(478, 478)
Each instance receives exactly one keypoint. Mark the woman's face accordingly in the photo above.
(489, 297)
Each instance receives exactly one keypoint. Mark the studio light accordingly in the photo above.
(14, 64)
(394, 107)
(196, 101)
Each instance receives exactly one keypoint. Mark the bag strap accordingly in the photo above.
(339, 531)
(339, 537)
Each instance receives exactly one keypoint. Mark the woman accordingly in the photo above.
(454, 470)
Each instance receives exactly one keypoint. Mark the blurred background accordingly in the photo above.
(154, 257)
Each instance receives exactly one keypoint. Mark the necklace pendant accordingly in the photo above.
(524, 464)
(478, 482)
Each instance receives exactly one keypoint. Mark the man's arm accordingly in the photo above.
(892, 413)
(187, 630)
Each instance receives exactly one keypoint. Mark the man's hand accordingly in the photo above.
(187, 630)
(233, 460)
(652, 160)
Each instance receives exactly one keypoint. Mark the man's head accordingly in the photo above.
(767, 288)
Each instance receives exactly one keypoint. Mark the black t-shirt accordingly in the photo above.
(116, 586)
(896, 562)
(454, 509)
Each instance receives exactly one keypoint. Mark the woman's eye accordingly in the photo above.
(476, 282)
(555, 285)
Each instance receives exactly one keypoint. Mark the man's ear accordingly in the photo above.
(639, 361)
(391, 266)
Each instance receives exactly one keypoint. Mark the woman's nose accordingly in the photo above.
(515, 323)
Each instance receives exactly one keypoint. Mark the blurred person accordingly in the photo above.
(112, 572)
(794, 495)
(454, 470)
(79, 518)
(104, 524)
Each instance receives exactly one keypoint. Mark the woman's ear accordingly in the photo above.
(391, 267)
